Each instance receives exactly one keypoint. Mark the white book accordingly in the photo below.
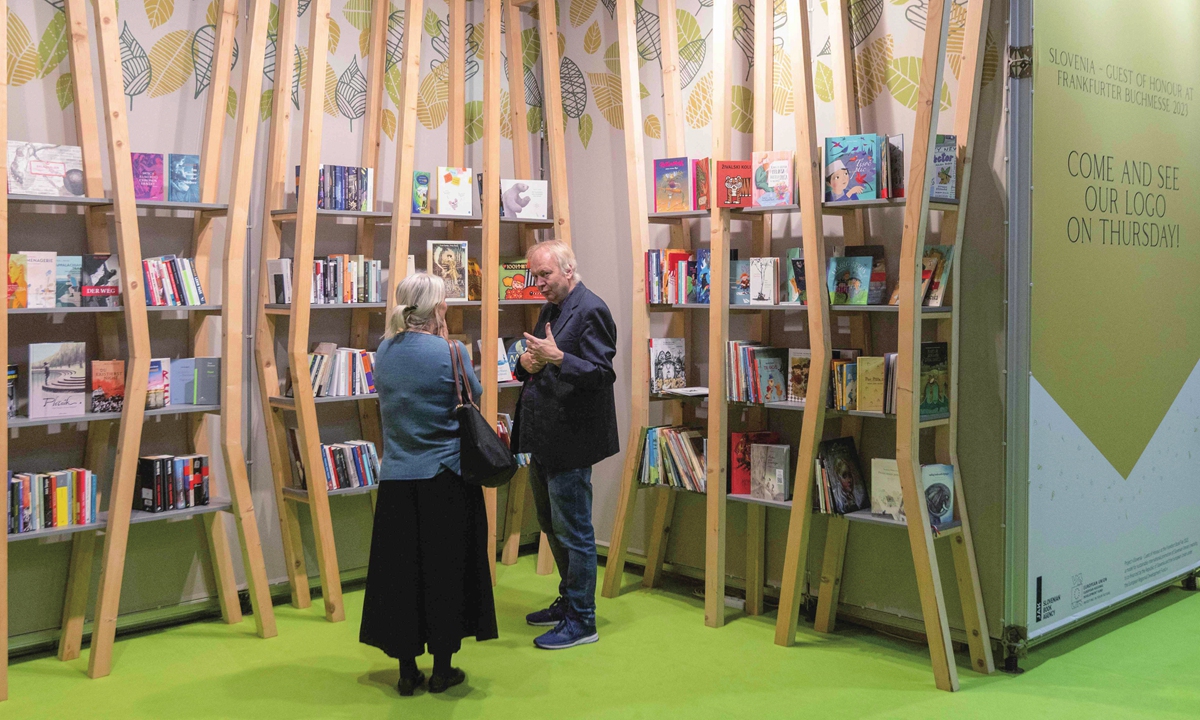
(165, 363)
(524, 198)
(943, 185)
(939, 492)
(769, 465)
(40, 276)
(280, 279)
(57, 379)
(454, 191)
(668, 364)
(887, 496)
(503, 371)
(764, 281)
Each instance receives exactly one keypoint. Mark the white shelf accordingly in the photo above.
(54, 532)
(118, 309)
(758, 501)
(293, 493)
(289, 403)
(867, 516)
(141, 516)
(23, 422)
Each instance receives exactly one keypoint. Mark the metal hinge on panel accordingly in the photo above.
(1020, 61)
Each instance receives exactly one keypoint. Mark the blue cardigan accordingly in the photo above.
(416, 402)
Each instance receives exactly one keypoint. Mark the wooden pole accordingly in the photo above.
(406, 137)
(552, 116)
(4, 353)
(490, 320)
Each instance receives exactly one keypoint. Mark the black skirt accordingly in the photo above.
(428, 582)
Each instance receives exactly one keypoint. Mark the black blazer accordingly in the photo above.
(566, 416)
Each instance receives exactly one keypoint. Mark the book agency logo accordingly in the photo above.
(1044, 609)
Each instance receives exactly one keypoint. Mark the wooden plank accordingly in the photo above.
(916, 216)
(87, 132)
(756, 530)
(514, 518)
(128, 248)
(4, 353)
(809, 193)
(406, 138)
(545, 558)
(79, 576)
(660, 532)
(490, 311)
(553, 117)
(212, 529)
(831, 574)
(456, 35)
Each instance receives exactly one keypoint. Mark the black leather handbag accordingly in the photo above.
(484, 458)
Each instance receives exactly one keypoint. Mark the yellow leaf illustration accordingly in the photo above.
(170, 62)
(159, 11)
(213, 14)
(823, 81)
(331, 107)
(335, 36)
(22, 53)
(64, 88)
(364, 42)
(904, 80)
(643, 91)
(391, 83)
(505, 120)
(358, 14)
(562, 45)
(699, 106)
(652, 126)
(585, 129)
(687, 28)
(476, 39)
(432, 97)
(265, 104)
(870, 70)
(533, 120)
(782, 100)
(742, 118)
(954, 39)
(606, 91)
(231, 104)
(991, 60)
(945, 96)
(581, 10)
(592, 39)
(389, 124)
(612, 58)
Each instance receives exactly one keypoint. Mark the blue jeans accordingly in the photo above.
(564, 511)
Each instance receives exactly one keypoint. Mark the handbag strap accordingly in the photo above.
(462, 388)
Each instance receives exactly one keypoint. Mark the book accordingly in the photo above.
(101, 281)
(671, 185)
(147, 175)
(935, 379)
(739, 282)
(938, 481)
(943, 185)
(887, 495)
(68, 281)
(843, 478)
(183, 178)
(207, 381)
(474, 280)
(454, 191)
(770, 369)
(183, 381)
(849, 279)
(799, 365)
(40, 279)
(703, 276)
(18, 287)
(515, 282)
(773, 179)
(524, 199)
(871, 380)
(939, 277)
(877, 290)
(447, 259)
(12, 391)
(673, 456)
(57, 379)
(740, 444)
(851, 168)
(895, 147)
(764, 281)
(504, 369)
(794, 270)
(45, 169)
(701, 184)
(108, 386)
(734, 183)
(280, 272)
(155, 387)
(668, 364)
(515, 350)
(769, 476)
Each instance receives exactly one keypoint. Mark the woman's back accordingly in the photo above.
(416, 401)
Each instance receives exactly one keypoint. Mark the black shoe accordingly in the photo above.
(408, 685)
(442, 683)
(551, 616)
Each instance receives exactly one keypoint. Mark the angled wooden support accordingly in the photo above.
(490, 321)
(4, 353)
(553, 117)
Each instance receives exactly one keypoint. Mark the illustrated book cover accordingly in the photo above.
(877, 291)
(938, 481)
(420, 193)
(839, 458)
(895, 149)
(939, 276)
(740, 459)
(795, 276)
(671, 185)
(769, 472)
(68, 281)
(799, 366)
(515, 281)
(701, 184)
(57, 379)
(108, 386)
(887, 496)
(773, 179)
(739, 282)
(943, 185)
(18, 285)
(870, 381)
(39, 278)
(101, 281)
(770, 365)
(454, 191)
(703, 275)
(524, 199)
(668, 364)
(183, 178)
(734, 184)
(147, 176)
(935, 379)
(851, 168)
(447, 259)
(849, 280)
(764, 281)
(45, 169)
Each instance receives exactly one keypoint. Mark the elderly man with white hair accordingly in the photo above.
(567, 420)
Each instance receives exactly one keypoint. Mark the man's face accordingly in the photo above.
(549, 278)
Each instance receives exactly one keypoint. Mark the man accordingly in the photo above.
(567, 420)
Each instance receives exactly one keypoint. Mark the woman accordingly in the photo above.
(428, 582)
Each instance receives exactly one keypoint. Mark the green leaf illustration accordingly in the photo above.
(433, 26)
(64, 88)
(53, 46)
(531, 47)
(352, 93)
(533, 120)
(335, 36)
(585, 129)
(606, 92)
(742, 118)
(135, 66)
(904, 80)
(389, 124)
(687, 27)
(358, 14)
(22, 53)
(391, 83)
(269, 61)
(581, 10)
(574, 88)
(231, 104)
(395, 39)
(272, 22)
(265, 104)
(299, 73)
(823, 81)
(473, 121)
(592, 38)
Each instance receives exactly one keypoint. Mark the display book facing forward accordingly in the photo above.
(182, 381)
(674, 456)
(348, 464)
(516, 282)
(45, 169)
(887, 494)
(756, 374)
(177, 181)
(871, 167)
(678, 276)
(41, 501)
(172, 281)
(337, 279)
(170, 482)
(682, 184)
(343, 187)
(868, 384)
(338, 372)
(49, 280)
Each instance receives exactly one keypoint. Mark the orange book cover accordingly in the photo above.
(108, 386)
(18, 288)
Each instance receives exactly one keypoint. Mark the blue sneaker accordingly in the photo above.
(568, 633)
(551, 616)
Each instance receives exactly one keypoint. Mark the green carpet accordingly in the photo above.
(655, 659)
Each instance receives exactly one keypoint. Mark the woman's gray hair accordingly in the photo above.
(562, 253)
(417, 299)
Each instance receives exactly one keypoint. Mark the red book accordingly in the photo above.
(739, 458)
(735, 184)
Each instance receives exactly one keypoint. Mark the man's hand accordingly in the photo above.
(546, 351)
(533, 367)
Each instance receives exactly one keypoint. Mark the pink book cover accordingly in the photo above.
(147, 176)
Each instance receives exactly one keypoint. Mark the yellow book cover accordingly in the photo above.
(18, 287)
(870, 384)
(62, 500)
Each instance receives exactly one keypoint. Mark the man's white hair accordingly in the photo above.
(561, 252)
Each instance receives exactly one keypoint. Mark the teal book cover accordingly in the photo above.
(851, 168)
(849, 280)
(68, 281)
(772, 382)
(739, 282)
(183, 178)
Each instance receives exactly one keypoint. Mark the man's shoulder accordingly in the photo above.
(592, 303)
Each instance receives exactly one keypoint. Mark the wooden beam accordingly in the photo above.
(455, 114)
(490, 207)
(831, 574)
(660, 532)
(4, 353)
(552, 115)
(756, 556)
(406, 138)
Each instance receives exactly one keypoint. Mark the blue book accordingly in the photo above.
(739, 282)
(849, 280)
(703, 275)
(68, 281)
(852, 168)
(183, 178)
(183, 383)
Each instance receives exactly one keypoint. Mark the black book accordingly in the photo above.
(144, 497)
(847, 488)
(200, 480)
(297, 460)
(343, 472)
(47, 489)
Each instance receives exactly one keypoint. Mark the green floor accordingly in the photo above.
(655, 659)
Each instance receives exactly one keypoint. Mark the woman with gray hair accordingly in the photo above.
(428, 582)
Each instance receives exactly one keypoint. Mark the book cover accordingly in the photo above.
(701, 184)
(870, 384)
(849, 279)
(108, 386)
(887, 496)
(939, 277)
(183, 381)
(39, 278)
(703, 276)
(68, 281)
(795, 276)
(420, 192)
(764, 281)
(799, 365)
(938, 481)
(734, 183)
(851, 168)
(447, 259)
(207, 378)
(45, 169)
(57, 379)
(935, 379)
(770, 365)
(504, 371)
(943, 185)
(668, 364)
(895, 145)
(671, 185)
(18, 287)
(769, 476)
(840, 459)
(849, 377)
(877, 290)
(101, 281)
(740, 460)
(474, 280)
(155, 394)
(454, 191)
(515, 350)
(514, 281)
(183, 178)
(773, 180)
(352, 191)
(524, 199)
(147, 176)
(739, 282)
(12, 391)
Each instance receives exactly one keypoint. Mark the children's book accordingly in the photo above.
(474, 279)
(739, 282)
(870, 384)
(504, 369)
(44, 169)
(851, 168)
(108, 386)
(147, 176)
(795, 276)
(101, 281)
(420, 193)
(515, 282)
(524, 199)
(770, 367)
(938, 481)
(740, 444)
(877, 291)
(12, 391)
(799, 365)
(940, 276)
(935, 379)
(57, 379)
(943, 185)
(39, 278)
(447, 259)
(772, 178)
(671, 185)
(515, 350)
(887, 496)
(764, 281)
(18, 285)
(183, 178)
(735, 180)
(769, 476)
(68, 281)
(454, 191)
(703, 275)
(701, 184)
(839, 459)
(848, 280)
(668, 364)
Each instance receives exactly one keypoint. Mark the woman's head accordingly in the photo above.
(420, 304)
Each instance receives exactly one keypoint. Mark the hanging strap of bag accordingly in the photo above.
(462, 387)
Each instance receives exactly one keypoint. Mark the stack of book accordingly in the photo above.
(678, 276)
(766, 181)
(172, 281)
(347, 465)
(180, 181)
(343, 187)
(337, 279)
(681, 184)
(756, 374)
(674, 456)
(49, 280)
(39, 501)
(341, 372)
(840, 485)
(169, 482)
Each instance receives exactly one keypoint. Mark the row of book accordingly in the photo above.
(756, 374)
(337, 279)
(346, 465)
(887, 495)
(57, 171)
(868, 384)
(49, 280)
(678, 276)
(172, 281)
(759, 467)
(525, 199)
(171, 482)
(841, 488)
(40, 501)
(343, 187)
(341, 372)
(674, 456)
